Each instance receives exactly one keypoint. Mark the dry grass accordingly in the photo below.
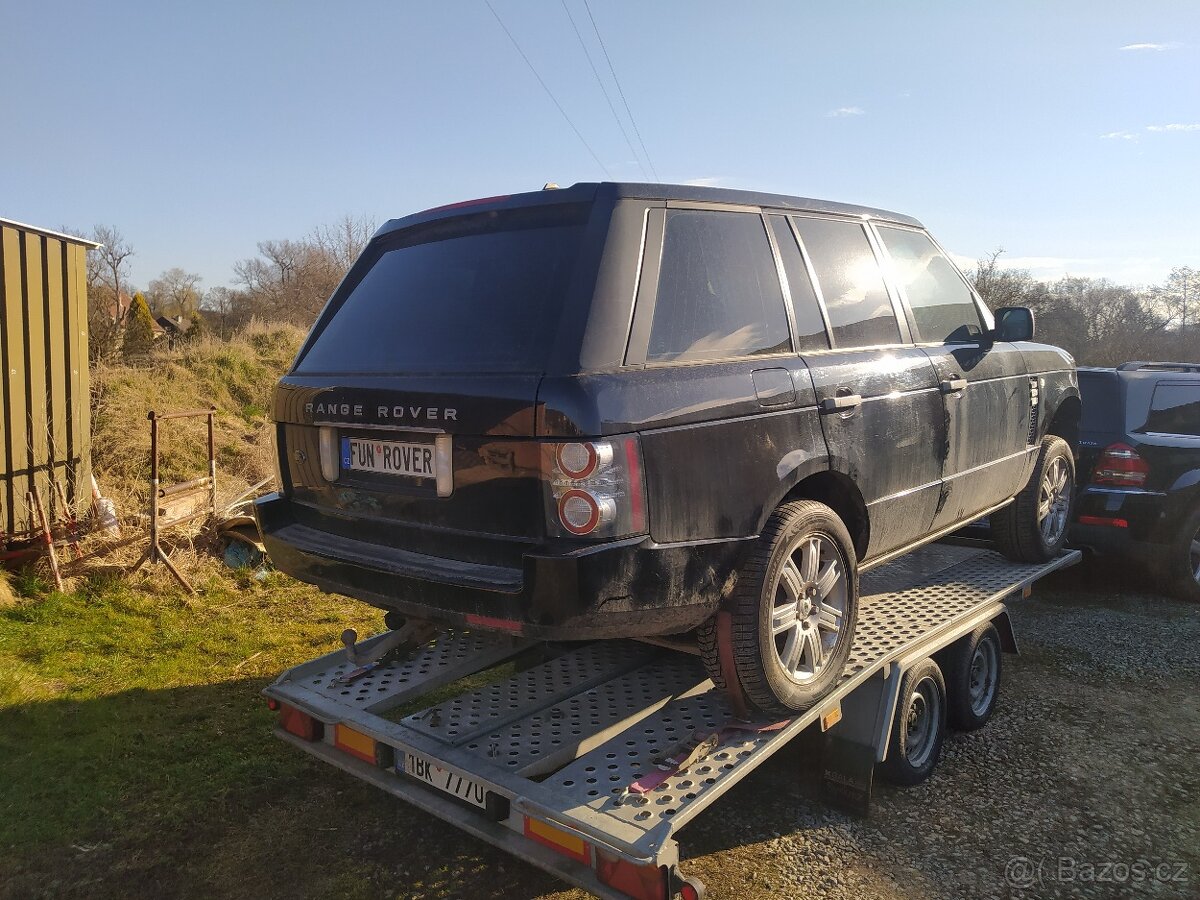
(237, 376)
(7, 596)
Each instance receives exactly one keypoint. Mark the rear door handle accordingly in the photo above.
(954, 385)
(844, 403)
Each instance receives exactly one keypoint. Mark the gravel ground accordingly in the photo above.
(1086, 782)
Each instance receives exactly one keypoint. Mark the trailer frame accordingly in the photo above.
(549, 759)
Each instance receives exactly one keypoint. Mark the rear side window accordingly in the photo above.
(810, 326)
(1175, 409)
(941, 303)
(860, 311)
(718, 290)
(478, 294)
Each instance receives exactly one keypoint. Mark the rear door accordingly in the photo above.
(712, 381)
(880, 407)
(985, 390)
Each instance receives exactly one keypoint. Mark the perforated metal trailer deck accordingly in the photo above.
(547, 762)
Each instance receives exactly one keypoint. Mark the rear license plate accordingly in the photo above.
(443, 779)
(388, 457)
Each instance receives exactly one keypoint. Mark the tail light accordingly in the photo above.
(1120, 465)
(594, 489)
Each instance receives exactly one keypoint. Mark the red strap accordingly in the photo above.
(706, 743)
(733, 687)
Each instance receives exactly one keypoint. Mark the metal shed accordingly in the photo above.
(45, 432)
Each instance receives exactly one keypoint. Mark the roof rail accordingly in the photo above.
(1159, 367)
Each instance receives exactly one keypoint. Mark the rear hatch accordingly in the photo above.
(421, 378)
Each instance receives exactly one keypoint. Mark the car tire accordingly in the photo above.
(1181, 570)
(1033, 528)
(972, 667)
(792, 611)
(919, 726)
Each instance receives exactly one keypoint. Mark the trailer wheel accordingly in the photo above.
(1033, 528)
(919, 726)
(973, 667)
(792, 612)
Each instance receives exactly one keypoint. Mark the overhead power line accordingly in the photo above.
(546, 88)
(628, 111)
(604, 90)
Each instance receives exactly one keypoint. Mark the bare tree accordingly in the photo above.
(174, 293)
(344, 241)
(112, 257)
(290, 280)
(107, 274)
(224, 302)
(1179, 300)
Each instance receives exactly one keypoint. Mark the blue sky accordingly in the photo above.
(1066, 132)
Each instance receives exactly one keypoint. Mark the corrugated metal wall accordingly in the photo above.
(44, 399)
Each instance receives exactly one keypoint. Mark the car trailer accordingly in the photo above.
(589, 760)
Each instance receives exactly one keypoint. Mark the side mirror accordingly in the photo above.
(1013, 323)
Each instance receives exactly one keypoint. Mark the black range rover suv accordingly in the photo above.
(622, 410)
(1139, 461)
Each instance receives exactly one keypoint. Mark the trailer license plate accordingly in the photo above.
(388, 457)
(443, 779)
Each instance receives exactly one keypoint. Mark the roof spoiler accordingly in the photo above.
(1158, 367)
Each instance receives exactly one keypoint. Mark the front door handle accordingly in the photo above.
(954, 385)
(844, 403)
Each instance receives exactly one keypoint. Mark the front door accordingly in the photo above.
(985, 388)
(881, 411)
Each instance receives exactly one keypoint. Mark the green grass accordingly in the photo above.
(137, 759)
(122, 708)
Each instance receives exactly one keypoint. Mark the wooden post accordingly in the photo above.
(72, 523)
(35, 505)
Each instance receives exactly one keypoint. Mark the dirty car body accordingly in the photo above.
(569, 413)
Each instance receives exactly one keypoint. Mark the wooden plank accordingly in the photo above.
(58, 410)
(14, 376)
(81, 378)
(37, 393)
(6, 521)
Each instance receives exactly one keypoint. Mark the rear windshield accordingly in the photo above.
(1100, 393)
(479, 293)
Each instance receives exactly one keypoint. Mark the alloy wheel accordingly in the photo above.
(1054, 500)
(809, 612)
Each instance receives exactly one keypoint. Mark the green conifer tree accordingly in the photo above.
(139, 330)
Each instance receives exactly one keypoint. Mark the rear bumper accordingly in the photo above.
(1120, 522)
(631, 588)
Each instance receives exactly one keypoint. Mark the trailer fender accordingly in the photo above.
(1008, 637)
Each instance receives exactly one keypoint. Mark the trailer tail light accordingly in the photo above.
(354, 742)
(302, 725)
(645, 882)
(594, 489)
(1120, 465)
(558, 840)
